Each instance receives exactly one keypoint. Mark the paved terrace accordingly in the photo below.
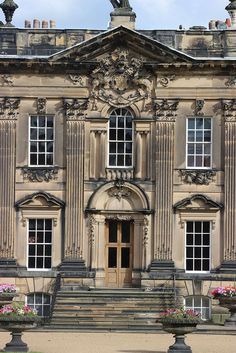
(68, 342)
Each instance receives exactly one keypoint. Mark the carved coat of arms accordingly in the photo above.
(121, 79)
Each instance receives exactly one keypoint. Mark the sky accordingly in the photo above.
(94, 14)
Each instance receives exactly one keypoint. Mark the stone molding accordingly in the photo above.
(39, 175)
(209, 204)
(75, 108)
(199, 177)
(165, 109)
(9, 108)
(41, 105)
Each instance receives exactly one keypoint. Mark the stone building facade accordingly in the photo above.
(117, 158)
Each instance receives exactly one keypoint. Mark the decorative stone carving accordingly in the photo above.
(164, 81)
(119, 191)
(41, 105)
(77, 80)
(163, 253)
(75, 108)
(92, 222)
(199, 177)
(229, 108)
(73, 253)
(165, 109)
(120, 80)
(145, 231)
(231, 82)
(6, 80)
(120, 4)
(8, 7)
(39, 175)
(114, 174)
(119, 217)
(199, 105)
(9, 108)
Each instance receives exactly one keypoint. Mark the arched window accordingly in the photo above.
(200, 304)
(121, 138)
(41, 302)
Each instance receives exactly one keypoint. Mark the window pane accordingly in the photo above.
(113, 147)
(41, 121)
(33, 121)
(128, 161)
(112, 160)
(207, 124)
(120, 160)
(206, 239)
(31, 250)
(198, 227)
(197, 253)
(125, 257)
(206, 265)
(206, 227)
(31, 263)
(206, 252)
(191, 123)
(189, 252)
(121, 148)
(112, 257)
(199, 123)
(189, 265)
(49, 121)
(112, 134)
(189, 239)
(112, 232)
(48, 262)
(190, 227)
(49, 159)
(125, 232)
(197, 265)
(198, 239)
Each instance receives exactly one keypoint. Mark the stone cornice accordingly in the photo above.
(9, 108)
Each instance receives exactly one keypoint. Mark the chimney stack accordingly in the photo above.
(52, 24)
(44, 24)
(27, 24)
(36, 24)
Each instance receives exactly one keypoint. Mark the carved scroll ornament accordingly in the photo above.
(41, 105)
(198, 177)
(39, 175)
(199, 105)
(229, 109)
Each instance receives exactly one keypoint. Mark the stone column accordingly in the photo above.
(74, 222)
(229, 262)
(163, 229)
(8, 116)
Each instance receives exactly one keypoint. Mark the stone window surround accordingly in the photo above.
(210, 216)
(201, 246)
(186, 143)
(40, 214)
(29, 140)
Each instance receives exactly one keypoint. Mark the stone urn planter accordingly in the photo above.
(6, 298)
(179, 328)
(229, 303)
(17, 325)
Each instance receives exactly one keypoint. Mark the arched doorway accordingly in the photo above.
(119, 217)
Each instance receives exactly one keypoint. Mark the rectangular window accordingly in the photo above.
(198, 244)
(199, 143)
(120, 139)
(40, 244)
(41, 141)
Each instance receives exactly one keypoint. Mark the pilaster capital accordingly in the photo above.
(165, 110)
(229, 109)
(9, 108)
(75, 108)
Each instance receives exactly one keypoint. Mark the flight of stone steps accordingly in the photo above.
(109, 309)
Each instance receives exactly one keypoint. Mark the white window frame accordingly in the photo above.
(27, 252)
(29, 142)
(117, 141)
(195, 142)
(34, 306)
(210, 247)
(197, 308)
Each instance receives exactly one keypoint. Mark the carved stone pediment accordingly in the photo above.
(198, 202)
(40, 200)
(121, 79)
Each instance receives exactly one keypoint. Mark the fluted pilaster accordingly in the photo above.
(163, 235)
(229, 108)
(75, 129)
(8, 117)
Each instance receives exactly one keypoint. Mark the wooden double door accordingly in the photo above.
(119, 254)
